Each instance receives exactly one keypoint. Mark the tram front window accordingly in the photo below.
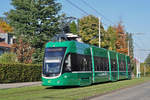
(52, 61)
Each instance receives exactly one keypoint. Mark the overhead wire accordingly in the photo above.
(140, 49)
(97, 12)
(86, 13)
(140, 41)
(137, 44)
(143, 50)
(77, 7)
(92, 9)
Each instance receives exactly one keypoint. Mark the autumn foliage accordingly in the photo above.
(121, 42)
(5, 27)
(24, 51)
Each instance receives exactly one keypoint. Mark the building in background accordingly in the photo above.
(6, 41)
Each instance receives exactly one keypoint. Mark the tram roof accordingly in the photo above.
(78, 47)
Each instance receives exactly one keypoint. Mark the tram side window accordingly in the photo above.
(124, 65)
(74, 66)
(80, 62)
(113, 65)
(120, 66)
(89, 63)
(67, 63)
(102, 64)
(84, 59)
(122, 62)
(96, 65)
(129, 67)
(99, 64)
(106, 64)
(116, 67)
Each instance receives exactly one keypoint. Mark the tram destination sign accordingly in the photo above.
(54, 49)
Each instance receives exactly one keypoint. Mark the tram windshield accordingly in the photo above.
(52, 61)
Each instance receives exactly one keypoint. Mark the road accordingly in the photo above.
(16, 85)
(138, 92)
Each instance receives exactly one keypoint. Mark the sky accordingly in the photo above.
(133, 13)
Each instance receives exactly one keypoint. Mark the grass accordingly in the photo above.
(44, 93)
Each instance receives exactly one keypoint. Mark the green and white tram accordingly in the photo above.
(71, 63)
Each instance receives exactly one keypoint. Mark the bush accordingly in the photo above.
(8, 58)
(20, 73)
(147, 70)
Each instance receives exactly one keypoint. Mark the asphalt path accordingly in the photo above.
(17, 85)
(138, 92)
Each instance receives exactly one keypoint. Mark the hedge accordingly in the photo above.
(20, 73)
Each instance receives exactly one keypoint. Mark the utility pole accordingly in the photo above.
(128, 46)
(99, 32)
(144, 70)
(138, 69)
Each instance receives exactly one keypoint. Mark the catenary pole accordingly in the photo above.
(128, 47)
(144, 70)
(99, 32)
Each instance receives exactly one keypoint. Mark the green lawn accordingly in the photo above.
(43, 93)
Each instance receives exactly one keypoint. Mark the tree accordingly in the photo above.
(147, 60)
(5, 27)
(105, 38)
(88, 26)
(24, 51)
(88, 30)
(130, 45)
(73, 27)
(8, 57)
(65, 22)
(36, 21)
(130, 50)
(112, 38)
(121, 44)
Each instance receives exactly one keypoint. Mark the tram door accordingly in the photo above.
(112, 66)
(114, 69)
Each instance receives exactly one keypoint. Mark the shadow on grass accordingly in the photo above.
(54, 98)
(62, 87)
(101, 83)
(70, 87)
(109, 82)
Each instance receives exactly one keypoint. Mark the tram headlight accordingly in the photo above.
(49, 81)
(58, 81)
(65, 76)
